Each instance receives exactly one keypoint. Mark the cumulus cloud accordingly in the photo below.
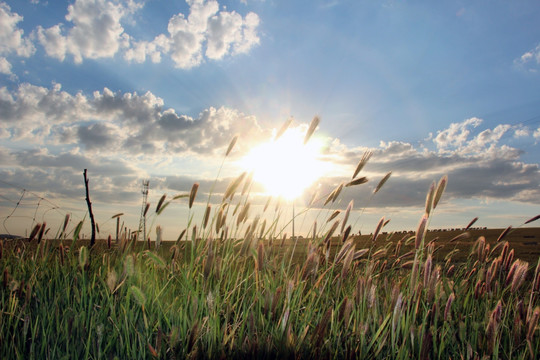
(12, 39)
(228, 32)
(5, 66)
(530, 60)
(95, 30)
(221, 32)
(109, 132)
(109, 122)
(456, 134)
(478, 163)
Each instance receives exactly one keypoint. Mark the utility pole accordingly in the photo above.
(142, 221)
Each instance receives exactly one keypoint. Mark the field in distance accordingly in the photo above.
(525, 242)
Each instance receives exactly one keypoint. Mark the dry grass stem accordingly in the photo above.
(504, 233)
(429, 198)
(377, 230)
(206, 216)
(346, 216)
(420, 231)
(231, 145)
(160, 202)
(532, 219)
(382, 182)
(441, 186)
(358, 181)
(365, 158)
(231, 189)
(471, 223)
(193, 194)
(312, 127)
(331, 232)
(333, 216)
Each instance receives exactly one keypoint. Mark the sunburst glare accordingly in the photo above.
(285, 166)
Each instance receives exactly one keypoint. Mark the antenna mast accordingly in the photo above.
(142, 221)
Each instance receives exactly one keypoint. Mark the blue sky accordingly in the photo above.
(156, 89)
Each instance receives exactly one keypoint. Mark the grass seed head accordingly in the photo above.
(333, 216)
(377, 230)
(34, 232)
(347, 263)
(160, 203)
(260, 256)
(66, 222)
(427, 270)
(429, 198)
(312, 127)
(471, 223)
(83, 257)
(206, 216)
(359, 181)
(41, 232)
(519, 275)
(382, 182)
(112, 280)
(181, 236)
(441, 186)
(365, 158)
(146, 209)
(346, 216)
(331, 232)
(504, 233)
(532, 219)
(420, 231)
(138, 295)
(533, 321)
(508, 260)
(231, 145)
(193, 194)
(448, 306)
(337, 192)
(346, 234)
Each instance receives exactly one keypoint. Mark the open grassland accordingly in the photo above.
(221, 299)
(231, 286)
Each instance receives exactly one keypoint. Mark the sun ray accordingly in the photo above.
(286, 166)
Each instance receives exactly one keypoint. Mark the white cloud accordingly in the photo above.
(12, 40)
(536, 134)
(228, 32)
(530, 60)
(479, 166)
(109, 122)
(5, 66)
(53, 41)
(521, 132)
(224, 33)
(456, 134)
(95, 30)
(93, 131)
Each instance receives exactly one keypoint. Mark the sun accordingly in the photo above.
(287, 166)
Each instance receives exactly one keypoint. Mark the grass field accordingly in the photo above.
(212, 299)
(462, 294)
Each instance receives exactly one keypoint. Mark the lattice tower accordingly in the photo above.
(142, 221)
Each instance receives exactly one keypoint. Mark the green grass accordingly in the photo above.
(212, 296)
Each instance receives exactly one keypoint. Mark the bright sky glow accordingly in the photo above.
(156, 89)
(286, 167)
